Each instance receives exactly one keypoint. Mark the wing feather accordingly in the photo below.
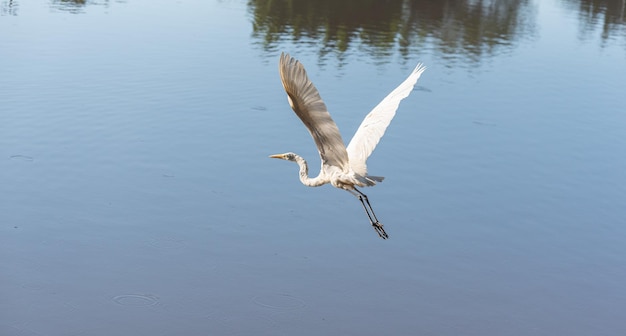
(375, 123)
(306, 102)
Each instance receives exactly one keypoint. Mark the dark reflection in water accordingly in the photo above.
(76, 6)
(9, 7)
(605, 14)
(458, 29)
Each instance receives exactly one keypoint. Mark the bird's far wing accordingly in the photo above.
(305, 100)
(375, 123)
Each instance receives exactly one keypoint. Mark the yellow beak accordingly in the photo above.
(278, 156)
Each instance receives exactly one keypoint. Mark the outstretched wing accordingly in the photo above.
(305, 100)
(375, 123)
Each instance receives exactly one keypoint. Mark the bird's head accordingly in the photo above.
(285, 156)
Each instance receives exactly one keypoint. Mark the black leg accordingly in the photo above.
(370, 213)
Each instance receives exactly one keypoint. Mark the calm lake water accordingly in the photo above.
(137, 197)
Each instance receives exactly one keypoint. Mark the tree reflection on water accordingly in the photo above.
(456, 29)
(466, 30)
(608, 14)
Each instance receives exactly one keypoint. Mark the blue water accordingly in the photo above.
(137, 196)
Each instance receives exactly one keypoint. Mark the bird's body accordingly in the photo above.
(343, 167)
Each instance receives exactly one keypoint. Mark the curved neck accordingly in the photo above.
(304, 174)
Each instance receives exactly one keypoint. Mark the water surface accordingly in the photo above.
(137, 196)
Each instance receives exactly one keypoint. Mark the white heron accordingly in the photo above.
(343, 167)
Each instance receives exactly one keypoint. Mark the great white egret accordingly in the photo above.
(343, 167)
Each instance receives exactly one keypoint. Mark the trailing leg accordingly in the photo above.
(378, 227)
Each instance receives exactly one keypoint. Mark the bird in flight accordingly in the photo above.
(343, 167)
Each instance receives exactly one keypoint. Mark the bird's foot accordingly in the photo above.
(379, 229)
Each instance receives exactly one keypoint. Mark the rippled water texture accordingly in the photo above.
(137, 196)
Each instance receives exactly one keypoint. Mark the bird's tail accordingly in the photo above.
(371, 180)
(375, 178)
